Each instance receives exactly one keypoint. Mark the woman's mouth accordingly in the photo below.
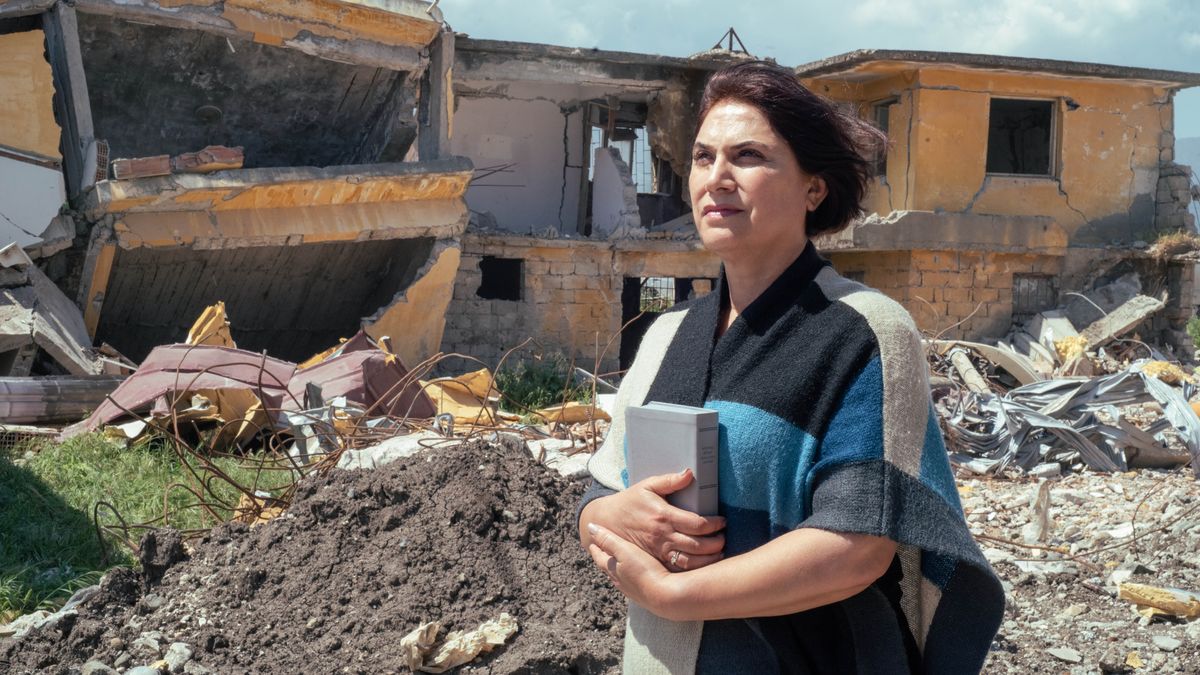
(720, 211)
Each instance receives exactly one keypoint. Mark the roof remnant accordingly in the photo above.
(850, 61)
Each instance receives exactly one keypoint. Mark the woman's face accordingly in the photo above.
(749, 194)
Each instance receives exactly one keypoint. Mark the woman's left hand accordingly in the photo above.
(637, 574)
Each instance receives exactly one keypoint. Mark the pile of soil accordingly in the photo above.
(360, 559)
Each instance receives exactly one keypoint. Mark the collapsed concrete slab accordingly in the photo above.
(300, 256)
(37, 315)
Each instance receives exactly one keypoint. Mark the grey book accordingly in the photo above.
(668, 438)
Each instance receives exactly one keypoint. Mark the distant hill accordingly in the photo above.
(1187, 151)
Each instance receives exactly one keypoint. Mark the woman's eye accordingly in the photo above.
(700, 157)
(750, 153)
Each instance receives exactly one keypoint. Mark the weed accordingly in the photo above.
(48, 542)
(1174, 243)
(531, 385)
(1193, 330)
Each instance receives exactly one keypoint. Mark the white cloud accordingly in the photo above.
(1148, 33)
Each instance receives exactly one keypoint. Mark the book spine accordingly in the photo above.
(707, 442)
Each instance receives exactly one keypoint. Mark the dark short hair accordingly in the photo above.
(826, 141)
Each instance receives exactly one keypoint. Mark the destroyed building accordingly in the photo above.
(290, 159)
(1010, 183)
(579, 200)
(328, 165)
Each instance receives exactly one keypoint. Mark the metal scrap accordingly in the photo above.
(1069, 421)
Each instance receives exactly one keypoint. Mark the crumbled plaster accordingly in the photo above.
(389, 35)
(27, 105)
(614, 196)
(415, 319)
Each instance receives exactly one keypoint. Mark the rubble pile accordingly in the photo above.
(468, 536)
(1066, 390)
(1076, 555)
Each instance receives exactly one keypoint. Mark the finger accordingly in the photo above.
(694, 524)
(695, 545)
(665, 484)
(604, 561)
(609, 542)
(684, 561)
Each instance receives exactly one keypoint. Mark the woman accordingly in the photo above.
(841, 545)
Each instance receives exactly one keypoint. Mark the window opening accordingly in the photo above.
(658, 294)
(880, 116)
(500, 278)
(1033, 293)
(1020, 137)
(649, 297)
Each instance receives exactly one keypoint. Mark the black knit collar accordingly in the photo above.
(780, 295)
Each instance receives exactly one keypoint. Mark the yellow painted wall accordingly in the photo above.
(416, 322)
(1108, 147)
(27, 95)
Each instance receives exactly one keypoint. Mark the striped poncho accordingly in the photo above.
(826, 422)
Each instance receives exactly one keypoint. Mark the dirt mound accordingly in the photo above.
(358, 561)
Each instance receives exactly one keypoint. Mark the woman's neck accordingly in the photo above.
(748, 279)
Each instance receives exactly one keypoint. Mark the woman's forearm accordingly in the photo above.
(800, 570)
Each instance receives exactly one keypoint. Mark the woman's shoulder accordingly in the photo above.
(885, 317)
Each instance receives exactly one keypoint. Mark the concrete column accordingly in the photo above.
(437, 100)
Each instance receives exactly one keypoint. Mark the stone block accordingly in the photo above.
(587, 268)
(956, 294)
(577, 282)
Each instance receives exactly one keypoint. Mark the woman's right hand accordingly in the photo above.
(680, 539)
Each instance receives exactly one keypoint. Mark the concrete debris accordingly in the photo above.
(53, 399)
(1122, 320)
(1059, 591)
(37, 315)
(1065, 654)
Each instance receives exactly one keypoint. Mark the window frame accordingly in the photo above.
(1056, 114)
(880, 165)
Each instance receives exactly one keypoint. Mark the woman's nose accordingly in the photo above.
(720, 177)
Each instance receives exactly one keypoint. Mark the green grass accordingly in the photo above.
(532, 385)
(48, 543)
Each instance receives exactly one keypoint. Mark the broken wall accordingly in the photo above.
(614, 195)
(958, 294)
(292, 301)
(32, 188)
(526, 142)
(192, 88)
(27, 107)
(569, 298)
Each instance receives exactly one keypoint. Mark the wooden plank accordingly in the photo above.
(71, 95)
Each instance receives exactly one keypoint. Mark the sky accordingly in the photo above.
(1144, 33)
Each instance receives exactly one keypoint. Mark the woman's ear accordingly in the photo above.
(817, 190)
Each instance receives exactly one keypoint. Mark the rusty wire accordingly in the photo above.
(206, 477)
